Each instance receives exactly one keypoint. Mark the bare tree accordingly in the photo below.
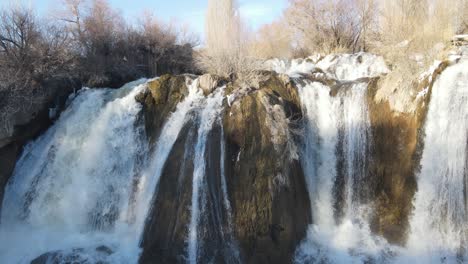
(30, 52)
(157, 40)
(73, 14)
(227, 51)
(222, 29)
(401, 19)
(367, 13)
(411, 27)
(331, 26)
(18, 35)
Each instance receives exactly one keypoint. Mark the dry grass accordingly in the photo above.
(273, 41)
(417, 29)
(413, 34)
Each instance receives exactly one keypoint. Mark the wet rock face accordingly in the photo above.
(8, 156)
(166, 230)
(271, 208)
(160, 100)
(398, 141)
(396, 152)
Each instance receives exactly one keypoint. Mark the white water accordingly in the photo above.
(209, 114)
(71, 187)
(337, 131)
(148, 182)
(74, 188)
(338, 127)
(329, 121)
(439, 226)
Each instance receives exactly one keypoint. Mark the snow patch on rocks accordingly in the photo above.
(341, 67)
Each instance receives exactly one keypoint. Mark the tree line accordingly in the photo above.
(88, 40)
(329, 26)
(84, 42)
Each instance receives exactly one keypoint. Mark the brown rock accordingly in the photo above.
(208, 83)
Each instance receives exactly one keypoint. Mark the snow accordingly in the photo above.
(350, 67)
(293, 68)
(422, 93)
(430, 71)
(343, 67)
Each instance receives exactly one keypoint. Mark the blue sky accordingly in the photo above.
(190, 12)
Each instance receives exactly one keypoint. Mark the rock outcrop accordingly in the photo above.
(271, 208)
(160, 99)
(398, 141)
(263, 174)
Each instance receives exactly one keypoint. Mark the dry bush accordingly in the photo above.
(415, 25)
(331, 26)
(414, 33)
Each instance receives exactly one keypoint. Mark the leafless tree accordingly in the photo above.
(228, 42)
(335, 25)
(19, 36)
(30, 52)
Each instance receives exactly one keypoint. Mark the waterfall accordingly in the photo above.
(84, 188)
(71, 187)
(169, 134)
(439, 225)
(209, 114)
(334, 158)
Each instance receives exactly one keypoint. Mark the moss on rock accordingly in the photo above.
(161, 99)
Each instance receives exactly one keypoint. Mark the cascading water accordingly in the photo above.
(70, 189)
(73, 190)
(148, 182)
(337, 130)
(208, 116)
(83, 191)
(439, 225)
(335, 158)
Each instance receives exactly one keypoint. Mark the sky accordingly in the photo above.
(189, 12)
